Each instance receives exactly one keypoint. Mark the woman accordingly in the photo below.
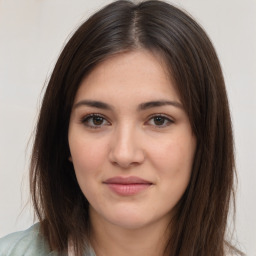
(133, 153)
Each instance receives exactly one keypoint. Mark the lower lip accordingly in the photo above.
(128, 189)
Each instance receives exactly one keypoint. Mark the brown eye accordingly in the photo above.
(159, 120)
(97, 120)
(94, 121)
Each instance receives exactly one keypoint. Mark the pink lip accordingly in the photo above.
(127, 186)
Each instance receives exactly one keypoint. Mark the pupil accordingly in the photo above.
(159, 120)
(97, 120)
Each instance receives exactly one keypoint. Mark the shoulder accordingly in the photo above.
(27, 243)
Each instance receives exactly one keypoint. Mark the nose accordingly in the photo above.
(126, 147)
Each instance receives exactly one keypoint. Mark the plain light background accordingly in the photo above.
(32, 34)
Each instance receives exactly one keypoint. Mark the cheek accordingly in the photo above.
(173, 163)
(87, 156)
(88, 159)
(173, 160)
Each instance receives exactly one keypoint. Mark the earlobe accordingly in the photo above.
(70, 158)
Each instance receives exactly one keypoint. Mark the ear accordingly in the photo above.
(70, 159)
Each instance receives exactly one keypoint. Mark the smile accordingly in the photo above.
(127, 186)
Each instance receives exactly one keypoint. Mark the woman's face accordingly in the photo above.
(131, 142)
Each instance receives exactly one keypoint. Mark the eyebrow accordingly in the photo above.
(159, 103)
(93, 103)
(141, 107)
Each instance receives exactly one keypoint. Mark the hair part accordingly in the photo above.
(200, 222)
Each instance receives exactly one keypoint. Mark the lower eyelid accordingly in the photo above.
(167, 122)
(86, 119)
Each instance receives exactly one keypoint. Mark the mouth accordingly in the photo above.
(127, 186)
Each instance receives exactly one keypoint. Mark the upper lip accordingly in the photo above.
(126, 180)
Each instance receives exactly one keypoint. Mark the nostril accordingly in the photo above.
(125, 160)
(125, 149)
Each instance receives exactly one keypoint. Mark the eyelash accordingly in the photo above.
(166, 119)
(85, 120)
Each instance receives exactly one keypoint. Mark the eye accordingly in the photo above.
(160, 121)
(94, 121)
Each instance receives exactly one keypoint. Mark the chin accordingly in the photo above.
(130, 224)
(129, 219)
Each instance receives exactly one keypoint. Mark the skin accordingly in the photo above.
(154, 143)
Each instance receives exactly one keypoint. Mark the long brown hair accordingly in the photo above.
(199, 226)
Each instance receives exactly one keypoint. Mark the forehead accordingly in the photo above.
(131, 74)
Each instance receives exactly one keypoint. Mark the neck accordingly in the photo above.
(108, 239)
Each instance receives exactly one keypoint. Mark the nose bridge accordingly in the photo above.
(126, 148)
(126, 138)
